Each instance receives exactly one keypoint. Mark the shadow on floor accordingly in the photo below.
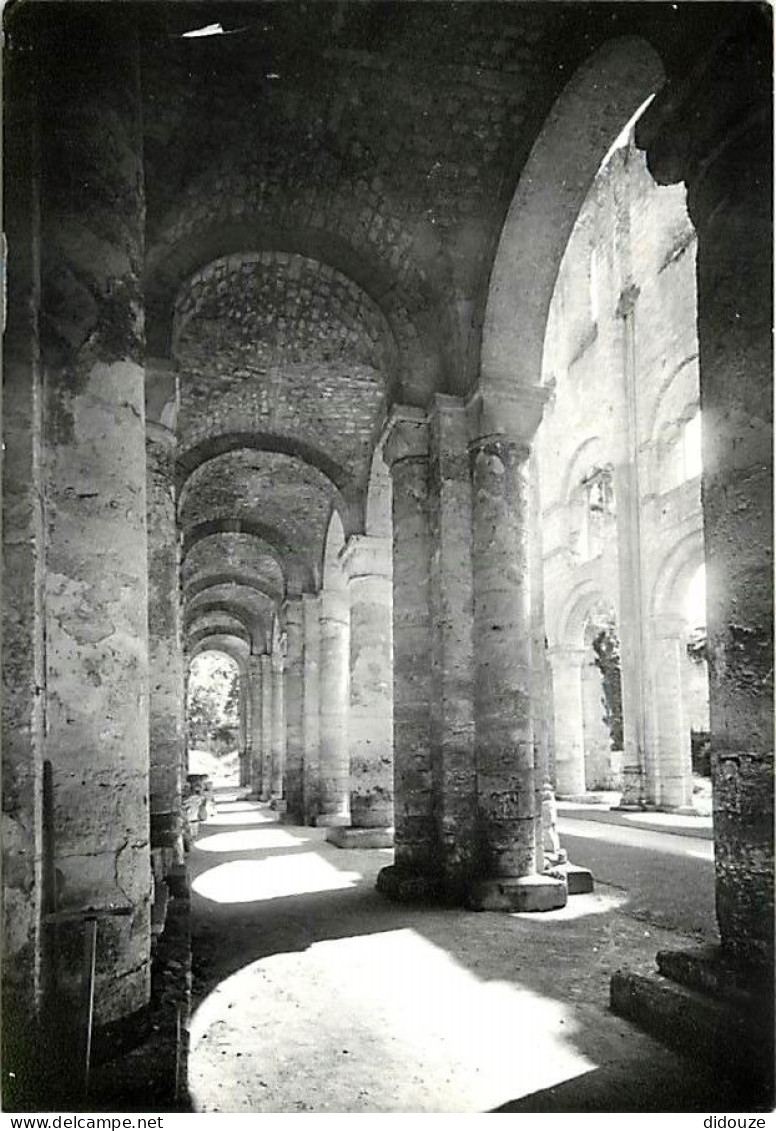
(565, 957)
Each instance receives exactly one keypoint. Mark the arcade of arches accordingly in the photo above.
(416, 358)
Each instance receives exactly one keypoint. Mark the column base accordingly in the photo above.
(404, 886)
(332, 821)
(349, 837)
(523, 893)
(702, 1000)
(278, 805)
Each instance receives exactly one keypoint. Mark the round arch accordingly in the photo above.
(249, 623)
(675, 574)
(230, 646)
(602, 96)
(297, 573)
(223, 628)
(203, 581)
(569, 629)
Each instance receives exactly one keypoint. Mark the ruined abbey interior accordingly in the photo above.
(413, 362)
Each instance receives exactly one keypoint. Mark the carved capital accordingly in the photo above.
(366, 556)
(513, 414)
(162, 393)
(406, 435)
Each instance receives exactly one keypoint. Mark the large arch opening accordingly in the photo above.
(608, 327)
(215, 717)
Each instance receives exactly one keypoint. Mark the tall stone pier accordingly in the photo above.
(366, 562)
(165, 647)
(96, 596)
(294, 710)
(417, 863)
(502, 426)
(312, 738)
(334, 704)
(265, 661)
(256, 691)
(277, 781)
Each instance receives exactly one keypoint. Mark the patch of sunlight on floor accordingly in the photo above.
(249, 840)
(238, 806)
(668, 821)
(652, 840)
(387, 1022)
(228, 817)
(252, 881)
(578, 907)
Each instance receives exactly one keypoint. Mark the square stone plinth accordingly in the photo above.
(360, 838)
(526, 893)
(579, 881)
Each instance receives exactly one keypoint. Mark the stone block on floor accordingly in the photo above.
(721, 1033)
(579, 881)
(346, 837)
(524, 893)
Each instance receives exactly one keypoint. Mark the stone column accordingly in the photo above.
(334, 706)
(266, 730)
(638, 784)
(165, 644)
(278, 731)
(255, 673)
(566, 666)
(246, 736)
(96, 595)
(366, 563)
(716, 134)
(294, 710)
(502, 427)
(312, 738)
(452, 736)
(23, 621)
(672, 734)
(417, 861)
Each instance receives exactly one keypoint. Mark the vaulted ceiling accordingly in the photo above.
(325, 186)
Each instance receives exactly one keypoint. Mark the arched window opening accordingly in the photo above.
(599, 513)
(602, 702)
(620, 350)
(214, 712)
(695, 688)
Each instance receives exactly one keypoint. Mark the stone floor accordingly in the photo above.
(314, 994)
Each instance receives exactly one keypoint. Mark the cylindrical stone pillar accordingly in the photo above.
(334, 705)
(165, 645)
(672, 735)
(505, 765)
(406, 452)
(245, 741)
(257, 725)
(96, 599)
(294, 710)
(278, 728)
(266, 730)
(366, 563)
(312, 649)
(566, 664)
(502, 648)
